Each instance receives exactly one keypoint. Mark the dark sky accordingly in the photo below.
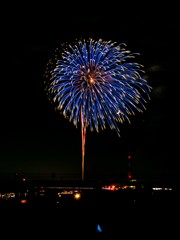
(36, 141)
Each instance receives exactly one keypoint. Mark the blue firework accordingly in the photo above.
(97, 83)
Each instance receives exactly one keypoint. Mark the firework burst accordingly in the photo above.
(95, 84)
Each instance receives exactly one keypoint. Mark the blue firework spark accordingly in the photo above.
(97, 83)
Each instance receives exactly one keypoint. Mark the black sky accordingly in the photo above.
(36, 141)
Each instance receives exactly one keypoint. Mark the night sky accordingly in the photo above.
(37, 141)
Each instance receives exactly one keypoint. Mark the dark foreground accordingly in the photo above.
(98, 214)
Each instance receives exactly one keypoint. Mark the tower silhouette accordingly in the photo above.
(130, 175)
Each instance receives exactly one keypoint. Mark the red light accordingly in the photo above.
(129, 175)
